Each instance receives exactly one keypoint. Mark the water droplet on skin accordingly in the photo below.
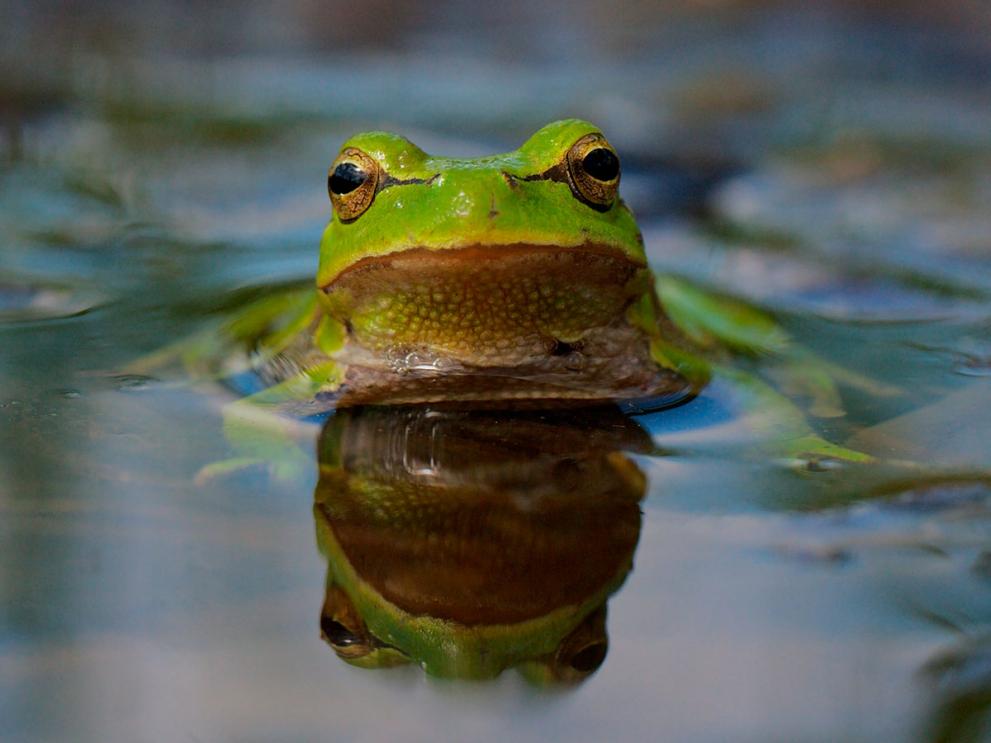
(416, 361)
(420, 363)
(443, 365)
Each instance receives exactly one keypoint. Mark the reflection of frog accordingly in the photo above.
(470, 542)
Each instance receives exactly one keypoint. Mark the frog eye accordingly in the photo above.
(342, 627)
(352, 182)
(347, 642)
(593, 171)
(580, 653)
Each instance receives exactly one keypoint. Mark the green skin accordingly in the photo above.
(481, 269)
(399, 587)
(375, 306)
(495, 271)
(318, 350)
(454, 205)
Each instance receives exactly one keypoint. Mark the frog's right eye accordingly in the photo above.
(352, 182)
(593, 171)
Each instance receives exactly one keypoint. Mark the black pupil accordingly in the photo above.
(588, 659)
(337, 633)
(601, 164)
(346, 178)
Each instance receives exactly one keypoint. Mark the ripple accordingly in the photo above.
(31, 302)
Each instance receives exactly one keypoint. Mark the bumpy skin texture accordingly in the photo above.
(492, 278)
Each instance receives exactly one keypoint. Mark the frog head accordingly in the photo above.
(520, 275)
(560, 190)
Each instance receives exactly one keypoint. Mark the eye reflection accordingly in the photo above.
(337, 634)
(501, 555)
(341, 626)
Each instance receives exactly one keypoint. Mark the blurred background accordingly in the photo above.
(188, 112)
(828, 162)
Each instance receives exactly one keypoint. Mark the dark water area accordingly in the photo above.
(452, 573)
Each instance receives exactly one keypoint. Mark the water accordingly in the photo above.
(833, 170)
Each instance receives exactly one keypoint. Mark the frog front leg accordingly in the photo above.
(261, 434)
(713, 321)
(258, 428)
(722, 327)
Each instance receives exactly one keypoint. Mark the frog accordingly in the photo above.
(519, 276)
(512, 279)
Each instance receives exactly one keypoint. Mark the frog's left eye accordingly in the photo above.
(352, 182)
(593, 170)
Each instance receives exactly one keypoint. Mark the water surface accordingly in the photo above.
(724, 596)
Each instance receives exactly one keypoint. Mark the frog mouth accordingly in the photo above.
(527, 281)
(497, 305)
(509, 256)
